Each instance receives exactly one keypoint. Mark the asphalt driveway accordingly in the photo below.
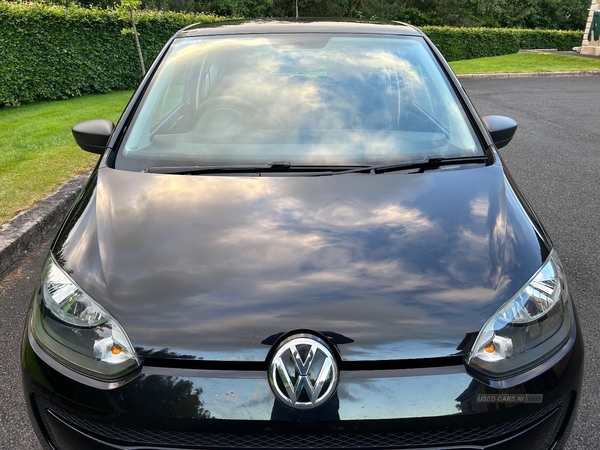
(555, 160)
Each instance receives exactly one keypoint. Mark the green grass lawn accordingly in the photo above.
(37, 150)
(525, 62)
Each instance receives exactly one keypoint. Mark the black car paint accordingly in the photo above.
(402, 265)
(182, 398)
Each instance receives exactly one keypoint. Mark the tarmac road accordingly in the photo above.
(555, 159)
(16, 287)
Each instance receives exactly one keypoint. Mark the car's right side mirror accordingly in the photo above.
(92, 135)
(501, 128)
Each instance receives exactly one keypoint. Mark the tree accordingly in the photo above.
(547, 14)
(126, 12)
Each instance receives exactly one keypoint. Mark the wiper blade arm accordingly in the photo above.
(273, 166)
(430, 162)
(197, 170)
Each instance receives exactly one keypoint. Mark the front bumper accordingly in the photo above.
(433, 408)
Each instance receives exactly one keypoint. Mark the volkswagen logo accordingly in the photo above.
(303, 372)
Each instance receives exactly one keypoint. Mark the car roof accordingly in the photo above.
(293, 26)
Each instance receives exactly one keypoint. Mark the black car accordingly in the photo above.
(300, 235)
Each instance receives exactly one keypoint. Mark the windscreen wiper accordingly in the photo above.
(274, 166)
(428, 163)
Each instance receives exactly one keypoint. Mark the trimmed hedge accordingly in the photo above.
(52, 52)
(468, 43)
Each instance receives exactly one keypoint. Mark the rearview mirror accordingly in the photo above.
(501, 128)
(92, 135)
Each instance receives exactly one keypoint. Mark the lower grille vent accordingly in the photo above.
(140, 437)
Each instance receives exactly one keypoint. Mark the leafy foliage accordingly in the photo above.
(542, 14)
(52, 52)
(468, 43)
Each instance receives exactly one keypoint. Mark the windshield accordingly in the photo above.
(303, 99)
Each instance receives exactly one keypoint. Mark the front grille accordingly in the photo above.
(137, 437)
(41, 412)
(565, 407)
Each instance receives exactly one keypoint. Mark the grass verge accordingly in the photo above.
(37, 150)
(525, 62)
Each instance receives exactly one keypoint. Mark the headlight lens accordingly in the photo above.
(77, 331)
(527, 329)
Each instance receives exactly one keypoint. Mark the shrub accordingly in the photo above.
(52, 52)
(468, 43)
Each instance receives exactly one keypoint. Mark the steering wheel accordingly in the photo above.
(239, 111)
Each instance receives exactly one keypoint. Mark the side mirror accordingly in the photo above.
(92, 135)
(501, 128)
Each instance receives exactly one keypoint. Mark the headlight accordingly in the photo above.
(77, 331)
(527, 329)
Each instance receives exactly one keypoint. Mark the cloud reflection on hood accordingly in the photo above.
(210, 266)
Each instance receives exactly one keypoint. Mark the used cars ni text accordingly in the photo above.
(301, 235)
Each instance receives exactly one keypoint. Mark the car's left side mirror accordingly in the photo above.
(501, 128)
(92, 135)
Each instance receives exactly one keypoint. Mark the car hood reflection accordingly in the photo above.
(400, 265)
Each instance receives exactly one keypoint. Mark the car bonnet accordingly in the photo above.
(388, 267)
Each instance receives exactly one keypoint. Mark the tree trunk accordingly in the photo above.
(137, 43)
